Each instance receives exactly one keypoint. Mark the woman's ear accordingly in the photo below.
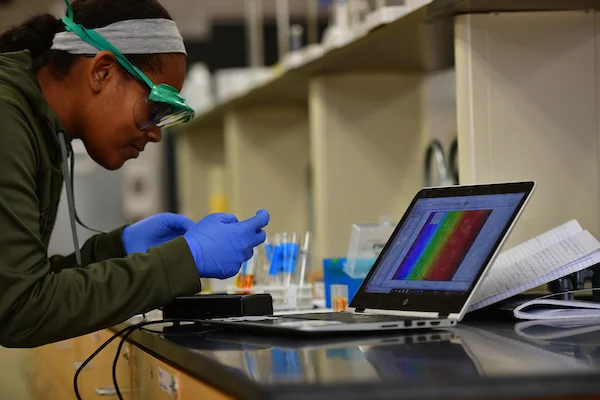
(103, 67)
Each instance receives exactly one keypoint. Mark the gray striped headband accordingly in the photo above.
(137, 36)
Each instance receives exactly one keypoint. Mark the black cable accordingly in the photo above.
(124, 339)
(452, 161)
(116, 360)
(128, 330)
(90, 358)
(435, 152)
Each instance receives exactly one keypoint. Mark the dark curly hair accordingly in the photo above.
(37, 33)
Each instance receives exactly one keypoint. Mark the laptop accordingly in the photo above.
(428, 270)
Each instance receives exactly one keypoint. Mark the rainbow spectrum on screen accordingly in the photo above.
(443, 243)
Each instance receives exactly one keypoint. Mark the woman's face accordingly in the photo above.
(106, 123)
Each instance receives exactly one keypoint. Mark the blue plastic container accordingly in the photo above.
(333, 274)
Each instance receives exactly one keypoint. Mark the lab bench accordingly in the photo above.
(476, 360)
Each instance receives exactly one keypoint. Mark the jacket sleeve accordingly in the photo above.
(97, 248)
(39, 306)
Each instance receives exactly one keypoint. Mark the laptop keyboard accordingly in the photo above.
(347, 317)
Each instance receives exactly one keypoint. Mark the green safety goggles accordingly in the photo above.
(164, 106)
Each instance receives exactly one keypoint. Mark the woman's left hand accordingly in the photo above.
(155, 230)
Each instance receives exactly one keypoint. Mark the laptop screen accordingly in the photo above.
(441, 247)
(443, 243)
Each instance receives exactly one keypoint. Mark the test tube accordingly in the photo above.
(268, 249)
(339, 298)
(248, 269)
(292, 257)
(240, 278)
(285, 250)
(304, 258)
(276, 255)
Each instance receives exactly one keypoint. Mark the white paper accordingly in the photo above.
(550, 256)
(534, 309)
(537, 244)
(559, 314)
(164, 381)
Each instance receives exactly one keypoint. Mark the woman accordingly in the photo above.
(54, 87)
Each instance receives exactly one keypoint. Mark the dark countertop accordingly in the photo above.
(475, 360)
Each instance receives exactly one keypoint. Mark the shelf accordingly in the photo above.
(424, 47)
(287, 89)
(421, 41)
(453, 7)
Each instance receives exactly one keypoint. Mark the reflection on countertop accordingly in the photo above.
(469, 351)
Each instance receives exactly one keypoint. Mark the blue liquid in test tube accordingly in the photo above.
(291, 256)
(276, 257)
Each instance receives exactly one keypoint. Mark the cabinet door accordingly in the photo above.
(139, 375)
(145, 382)
(192, 389)
(55, 361)
(50, 371)
(155, 380)
(175, 385)
(40, 384)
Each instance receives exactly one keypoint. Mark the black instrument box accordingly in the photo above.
(206, 306)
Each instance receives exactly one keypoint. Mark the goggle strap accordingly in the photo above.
(69, 10)
(94, 39)
(97, 41)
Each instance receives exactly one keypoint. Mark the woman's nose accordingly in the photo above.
(155, 134)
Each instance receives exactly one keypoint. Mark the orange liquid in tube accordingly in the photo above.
(339, 304)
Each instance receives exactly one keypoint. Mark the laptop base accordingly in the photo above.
(312, 324)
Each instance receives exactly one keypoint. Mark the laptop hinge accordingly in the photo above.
(453, 316)
(359, 310)
(443, 315)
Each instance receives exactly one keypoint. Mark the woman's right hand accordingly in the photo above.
(220, 243)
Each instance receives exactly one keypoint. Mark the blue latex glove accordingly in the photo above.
(220, 243)
(154, 230)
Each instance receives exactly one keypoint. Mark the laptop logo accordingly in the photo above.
(405, 302)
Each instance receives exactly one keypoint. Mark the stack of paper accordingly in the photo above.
(545, 258)
(558, 309)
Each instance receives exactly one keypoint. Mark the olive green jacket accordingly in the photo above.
(44, 300)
